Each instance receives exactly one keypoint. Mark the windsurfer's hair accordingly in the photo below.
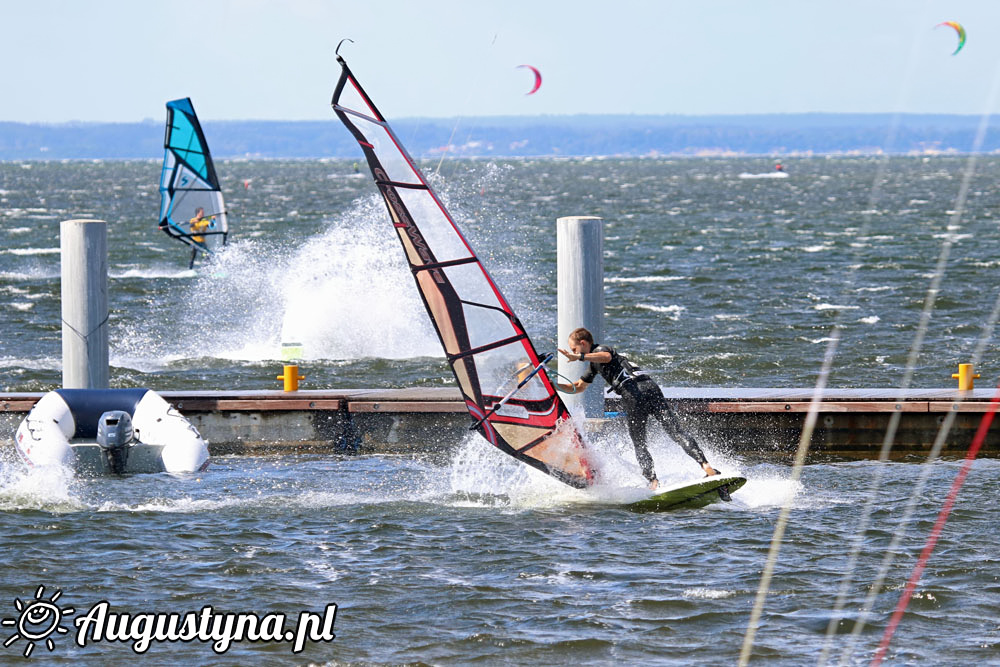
(581, 334)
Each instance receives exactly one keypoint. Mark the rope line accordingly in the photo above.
(84, 337)
(908, 373)
(949, 420)
(949, 503)
(829, 355)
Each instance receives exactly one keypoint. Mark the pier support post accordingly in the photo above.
(580, 285)
(84, 290)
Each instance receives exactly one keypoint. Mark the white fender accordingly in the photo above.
(43, 436)
(157, 423)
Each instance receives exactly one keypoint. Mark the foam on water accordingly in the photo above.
(707, 594)
(33, 273)
(479, 470)
(233, 485)
(32, 251)
(123, 356)
(645, 279)
(155, 271)
(44, 363)
(672, 312)
(181, 505)
(833, 306)
(50, 488)
(769, 174)
(769, 490)
(275, 498)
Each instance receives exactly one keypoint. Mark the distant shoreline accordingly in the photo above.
(773, 135)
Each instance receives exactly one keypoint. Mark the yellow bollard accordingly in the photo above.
(291, 377)
(964, 377)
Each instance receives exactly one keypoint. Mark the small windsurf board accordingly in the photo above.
(689, 494)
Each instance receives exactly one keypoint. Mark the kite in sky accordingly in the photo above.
(959, 29)
(538, 79)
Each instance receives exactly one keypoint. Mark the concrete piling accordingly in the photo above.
(84, 292)
(580, 284)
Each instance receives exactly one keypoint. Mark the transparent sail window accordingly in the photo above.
(434, 225)
(396, 167)
(485, 325)
(473, 286)
(352, 100)
(500, 370)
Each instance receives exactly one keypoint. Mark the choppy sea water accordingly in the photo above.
(712, 280)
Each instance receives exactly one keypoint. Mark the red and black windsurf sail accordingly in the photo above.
(485, 343)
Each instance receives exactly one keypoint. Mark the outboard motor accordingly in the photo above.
(114, 435)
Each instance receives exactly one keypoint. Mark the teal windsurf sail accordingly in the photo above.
(191, 206)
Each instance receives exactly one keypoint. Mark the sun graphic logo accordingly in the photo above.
(39, 620)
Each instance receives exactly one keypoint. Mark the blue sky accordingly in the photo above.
(120, 60)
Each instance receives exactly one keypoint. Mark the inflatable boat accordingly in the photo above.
(110, 431)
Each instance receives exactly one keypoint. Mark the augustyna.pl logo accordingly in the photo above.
(40, 619)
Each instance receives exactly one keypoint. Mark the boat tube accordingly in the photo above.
(110, 431)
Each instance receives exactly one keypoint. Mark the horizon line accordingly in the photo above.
(733, 115)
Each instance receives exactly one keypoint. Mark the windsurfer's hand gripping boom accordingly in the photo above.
(513, 391)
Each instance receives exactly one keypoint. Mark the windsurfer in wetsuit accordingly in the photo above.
(641, 396)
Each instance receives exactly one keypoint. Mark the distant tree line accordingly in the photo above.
(779, 134)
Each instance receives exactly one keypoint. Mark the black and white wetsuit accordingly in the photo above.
(642, 398)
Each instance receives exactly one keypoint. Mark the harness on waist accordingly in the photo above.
(625, 376)
(628, 372)
(617, 372)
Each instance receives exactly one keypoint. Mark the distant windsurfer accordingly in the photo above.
(641, 395)
(779, 167)
(199, 223)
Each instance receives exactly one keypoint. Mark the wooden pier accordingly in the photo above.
(762, 422)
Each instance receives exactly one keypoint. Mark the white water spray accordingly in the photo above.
(344, 293)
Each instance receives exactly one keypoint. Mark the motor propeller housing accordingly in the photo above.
(114, 435)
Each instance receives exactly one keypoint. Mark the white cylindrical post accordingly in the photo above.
(84, 247)
(580, 251)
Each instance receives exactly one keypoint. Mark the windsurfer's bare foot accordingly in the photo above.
(709, 470)
(654, 485)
